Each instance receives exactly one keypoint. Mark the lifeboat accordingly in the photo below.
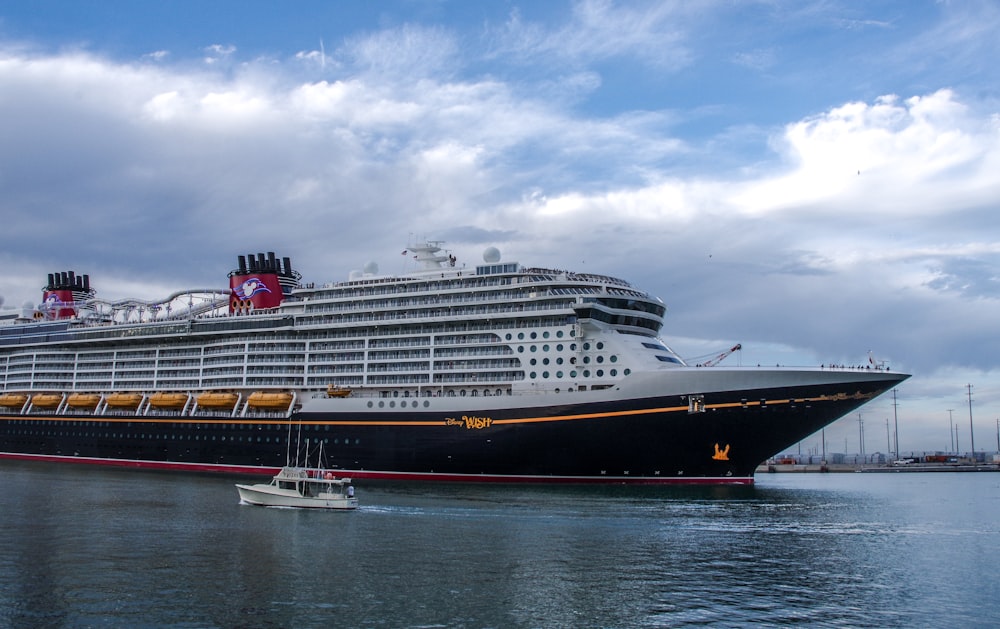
(260, 399)
(83, 400)
(46, 400)
(217, 400)
(124, 400)
(13, 400)
(168, 400)
(335, 391)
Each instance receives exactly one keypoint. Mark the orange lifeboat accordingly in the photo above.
(335, 391)
(124, 400)
(13, 400)
(217, 399)
(46, 400)
(168, 400)
(83, 400)
(261, 399)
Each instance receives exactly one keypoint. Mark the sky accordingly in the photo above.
(818, 181)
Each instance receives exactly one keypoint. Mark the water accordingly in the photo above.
(84, 547)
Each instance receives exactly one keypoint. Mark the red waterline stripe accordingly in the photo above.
(399, 476)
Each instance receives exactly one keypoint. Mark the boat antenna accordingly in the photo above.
(298, 443)
(288, 446)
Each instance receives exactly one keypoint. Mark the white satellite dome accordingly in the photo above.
(491, 255)
(371, 268)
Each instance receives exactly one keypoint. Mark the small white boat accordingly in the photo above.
(301, 487)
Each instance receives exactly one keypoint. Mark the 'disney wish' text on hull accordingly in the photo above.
(499, 373)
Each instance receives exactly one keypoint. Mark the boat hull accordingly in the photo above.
(623, 436)
(270, 496)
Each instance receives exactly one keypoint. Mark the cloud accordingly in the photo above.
(653, 33)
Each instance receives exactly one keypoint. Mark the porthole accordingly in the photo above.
(545, 348)
(381, 404)
(534, 348)
(533, 361)
(370, 404)
(600, 359)
(533, 375)
(545, 334)
(545, 374)
(627, 371)
(508, 336)
(600, 345)
(559, 334)
(559, 347)
(572, 374)
(600, 373)
(586, 373)
(534, 335)
(586, 346)
(426, 404)
(520, 349)
(520, 336)
(559, 374)
(614, 372)
(614, 358)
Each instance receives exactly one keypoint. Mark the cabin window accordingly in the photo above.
(696, 404)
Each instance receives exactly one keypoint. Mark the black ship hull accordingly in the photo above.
(648, 440)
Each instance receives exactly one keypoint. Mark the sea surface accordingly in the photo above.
(94, 547)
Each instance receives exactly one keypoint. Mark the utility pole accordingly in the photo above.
(895, 419)
(861, 437)
(972, 435)
(951, 430)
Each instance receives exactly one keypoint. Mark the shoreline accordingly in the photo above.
(775, 468)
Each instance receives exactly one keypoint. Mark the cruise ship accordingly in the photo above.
(493, 373)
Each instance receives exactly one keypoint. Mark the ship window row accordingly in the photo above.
(409, 379)
(338, 380)
(395, 313)
(276, 347)
(335, 345)
(399, 354)
(600, 315)
(173, 428)
(481, 378)
(445, 299)
(446, 365)
(586, 373)
(411, 329)
(391, 286)
(397, 367)
(337, 358)
(409, 342)
(353, 368)
(144, 437)
(489, 350)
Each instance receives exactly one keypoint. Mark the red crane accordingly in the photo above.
(720, 357)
